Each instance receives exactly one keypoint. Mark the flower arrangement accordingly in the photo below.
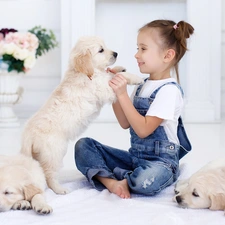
(19, 51)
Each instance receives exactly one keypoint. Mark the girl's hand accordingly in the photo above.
(119, 84)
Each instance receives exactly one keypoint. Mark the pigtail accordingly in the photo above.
(182, 31)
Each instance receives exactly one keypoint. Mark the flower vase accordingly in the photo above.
(10, 94)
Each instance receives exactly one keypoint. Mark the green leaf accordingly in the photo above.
(47, 40)
(14, 64)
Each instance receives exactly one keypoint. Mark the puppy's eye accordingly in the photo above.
(195, 194)
(101, 50)
(7, 193)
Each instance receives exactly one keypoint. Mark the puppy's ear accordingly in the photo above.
(83, 64)
(30, 190)
(217, 202)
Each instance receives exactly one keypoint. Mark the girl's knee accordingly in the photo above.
(149, 181)
(80, 148)
(80, 144)
(150, 186)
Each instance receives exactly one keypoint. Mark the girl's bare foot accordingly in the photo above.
(118, 187)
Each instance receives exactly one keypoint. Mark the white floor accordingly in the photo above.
(85, 205)
(208, 141)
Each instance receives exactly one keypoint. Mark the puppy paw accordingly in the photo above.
(42, 209)
(132, 79)
(22, 205)
(60, 190)
(119, 69)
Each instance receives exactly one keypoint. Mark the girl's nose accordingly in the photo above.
(136, 55)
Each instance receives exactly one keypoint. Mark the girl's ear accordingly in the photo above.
(169, 56)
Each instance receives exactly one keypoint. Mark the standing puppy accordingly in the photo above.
(72, 106)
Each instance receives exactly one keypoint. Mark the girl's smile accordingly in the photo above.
(140, 64)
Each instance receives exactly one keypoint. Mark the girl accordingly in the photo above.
(158, 138)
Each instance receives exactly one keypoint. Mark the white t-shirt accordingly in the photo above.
(167, 105)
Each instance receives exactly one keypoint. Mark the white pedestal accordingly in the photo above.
(10, 94)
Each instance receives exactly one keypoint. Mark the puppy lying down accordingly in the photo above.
(204, 189)
(22, 184)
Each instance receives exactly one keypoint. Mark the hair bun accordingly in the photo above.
(185, 30)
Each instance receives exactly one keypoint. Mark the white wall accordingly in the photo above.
(223, 60)
(43, 78)
(115, 20)
(46, 74)
(121, 36)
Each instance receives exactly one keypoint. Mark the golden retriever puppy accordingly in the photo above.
(204, 189)
(22, 184)
(72, 106)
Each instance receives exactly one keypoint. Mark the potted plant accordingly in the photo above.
(18, 54)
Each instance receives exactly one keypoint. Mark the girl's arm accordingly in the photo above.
(142, 125)
(120, 115)
(118, 110)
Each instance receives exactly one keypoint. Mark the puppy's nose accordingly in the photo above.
(178, 199)
(115, 54)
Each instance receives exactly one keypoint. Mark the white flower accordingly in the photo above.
(30, 61)
(1, 47)
(8, 48)
(20, 54)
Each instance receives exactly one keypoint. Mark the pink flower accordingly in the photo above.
(23, 40)
(20, 46)
(19, 51)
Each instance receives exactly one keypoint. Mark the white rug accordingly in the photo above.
(87, 206)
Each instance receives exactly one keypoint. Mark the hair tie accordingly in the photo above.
(175, 26)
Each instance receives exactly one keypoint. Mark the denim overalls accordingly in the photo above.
(150, 165)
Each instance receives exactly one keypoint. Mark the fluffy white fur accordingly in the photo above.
(22, 184)
(204, 189)
(75, 103)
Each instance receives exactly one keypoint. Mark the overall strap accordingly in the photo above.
(140, 87)
(174, 83)
(156, 91)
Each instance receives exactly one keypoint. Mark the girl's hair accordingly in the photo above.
(173, 36)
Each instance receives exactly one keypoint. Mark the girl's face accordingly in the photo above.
(150, 57)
